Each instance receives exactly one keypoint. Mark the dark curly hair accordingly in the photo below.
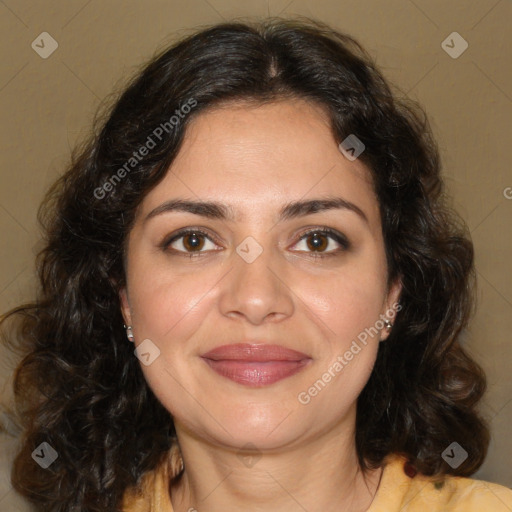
(79, 387)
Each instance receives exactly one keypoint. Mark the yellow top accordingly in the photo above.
(397, 492)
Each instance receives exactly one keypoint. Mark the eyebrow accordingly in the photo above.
(292, 210)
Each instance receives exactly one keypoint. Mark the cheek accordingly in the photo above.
(169, 309)
(347, 354)
(165, 303)
(348, 300)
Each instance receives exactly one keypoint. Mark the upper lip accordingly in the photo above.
(254, 352)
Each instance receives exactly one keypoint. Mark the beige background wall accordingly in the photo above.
(47, 104)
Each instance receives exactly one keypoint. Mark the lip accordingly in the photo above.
(255, 365)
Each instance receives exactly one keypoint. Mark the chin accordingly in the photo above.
(264, 425)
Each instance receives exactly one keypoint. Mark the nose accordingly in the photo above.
(256, 291)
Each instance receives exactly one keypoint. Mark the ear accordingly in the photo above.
(391, 305)
(125, 306)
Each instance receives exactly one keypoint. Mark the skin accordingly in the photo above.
(257, 159)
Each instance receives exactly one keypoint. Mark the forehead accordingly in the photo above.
(258, 157)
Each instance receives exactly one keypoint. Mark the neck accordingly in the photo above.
(321, 475)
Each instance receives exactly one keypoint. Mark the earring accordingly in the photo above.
(388, 325)
(129, 333)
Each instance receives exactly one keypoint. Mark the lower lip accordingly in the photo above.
(256, 373)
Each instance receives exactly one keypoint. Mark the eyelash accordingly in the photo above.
(337, 237)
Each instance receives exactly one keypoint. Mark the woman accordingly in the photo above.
(252, 294)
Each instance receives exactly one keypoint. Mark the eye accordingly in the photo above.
(190, 241)
(322, 242)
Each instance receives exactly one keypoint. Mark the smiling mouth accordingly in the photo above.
(255, 365)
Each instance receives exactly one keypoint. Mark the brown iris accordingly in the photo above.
(317, 242)
(193, 241)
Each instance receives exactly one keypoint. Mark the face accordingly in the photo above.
(286, 287)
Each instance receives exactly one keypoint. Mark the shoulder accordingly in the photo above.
(138, 498)
(398, 491)
(151, 494)
(458, 494)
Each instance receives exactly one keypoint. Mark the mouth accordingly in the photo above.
(255, 365)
